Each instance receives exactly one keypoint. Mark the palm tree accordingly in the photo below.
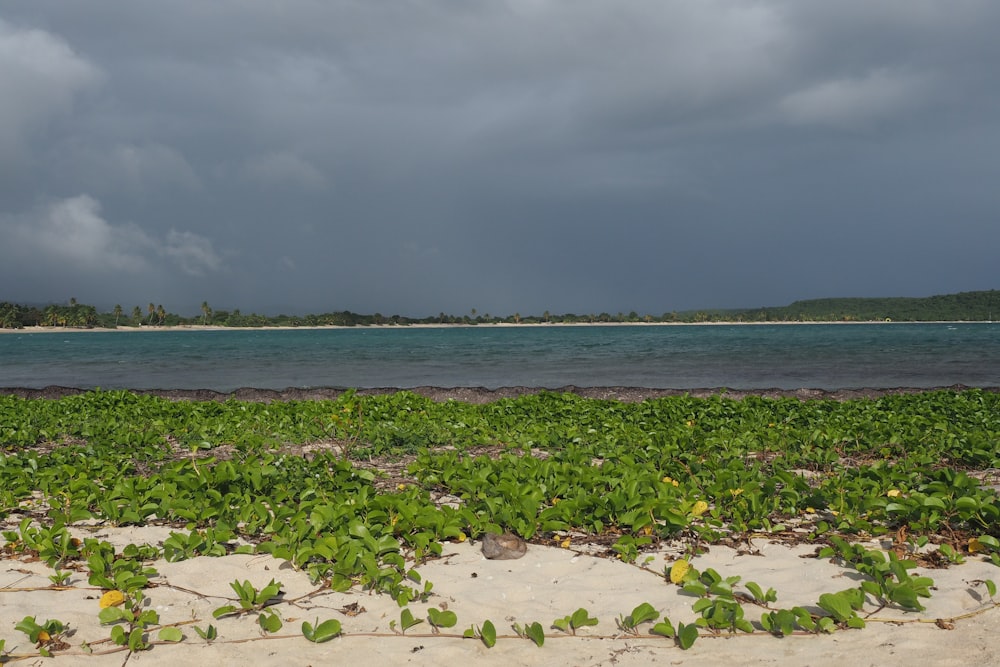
(152, 311)
(160, 314)
(8, 316)
(117, 313)
(206, 312)
(87, 317)
(51, 316)
(137, 316)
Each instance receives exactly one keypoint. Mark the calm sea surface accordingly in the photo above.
(679, 357)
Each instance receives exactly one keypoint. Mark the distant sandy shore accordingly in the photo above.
(212, 327)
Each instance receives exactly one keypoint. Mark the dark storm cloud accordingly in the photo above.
(416, 157)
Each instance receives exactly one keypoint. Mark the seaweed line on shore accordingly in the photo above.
(486, 395)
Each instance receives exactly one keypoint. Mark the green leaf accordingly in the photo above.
(967, 504)
(222, 611)
(28, 626)
(804, 619)
(989, 541)
(686, 635)
(701, 604)
(136, 641)
(695, 588)
(991, 587)
(488, 633)
(934, 501)
(244, 591)
(441, 619)
(837, 606)
(110, 615)
(323, 632)
(581, 618)
(407, 620)
(535, 633)
(207, 634)
(268, 593)
(642, 613)
(170, 634)
(269, 622)
(906, 597)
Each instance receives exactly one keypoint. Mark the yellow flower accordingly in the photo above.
(735, 492)
(892, 493)
(810, 510)
(112, 599)
(555, 501)
(647, 530)
(43, 637)
(401, 487)
(975, 545)
(699, 508)
(678, 570)
(670, 480)
(690, 423)
(460, 538)
(565, 543)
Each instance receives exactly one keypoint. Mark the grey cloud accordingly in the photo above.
(283, 169)
(193, 253)
(74, 234)
(523, 155)
(877, 96)
(125, 169)
(40, 76)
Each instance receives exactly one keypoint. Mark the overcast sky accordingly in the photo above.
(416, 156)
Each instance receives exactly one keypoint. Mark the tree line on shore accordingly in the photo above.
(964, 306)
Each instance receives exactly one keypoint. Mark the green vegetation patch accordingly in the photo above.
(359, 491)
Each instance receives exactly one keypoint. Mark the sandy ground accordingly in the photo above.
(547, 583)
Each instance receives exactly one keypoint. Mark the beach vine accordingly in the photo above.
(362, 499)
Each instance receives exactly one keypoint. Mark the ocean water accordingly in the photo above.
(821, 356)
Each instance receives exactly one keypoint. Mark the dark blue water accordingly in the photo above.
(833, 356)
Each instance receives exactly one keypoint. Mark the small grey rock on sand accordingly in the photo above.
(503, 547)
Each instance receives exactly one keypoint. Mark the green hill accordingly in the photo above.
(964, 306)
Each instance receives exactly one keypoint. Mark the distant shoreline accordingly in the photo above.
(498, 325)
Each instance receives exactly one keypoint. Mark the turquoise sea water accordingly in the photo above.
(832, 356)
